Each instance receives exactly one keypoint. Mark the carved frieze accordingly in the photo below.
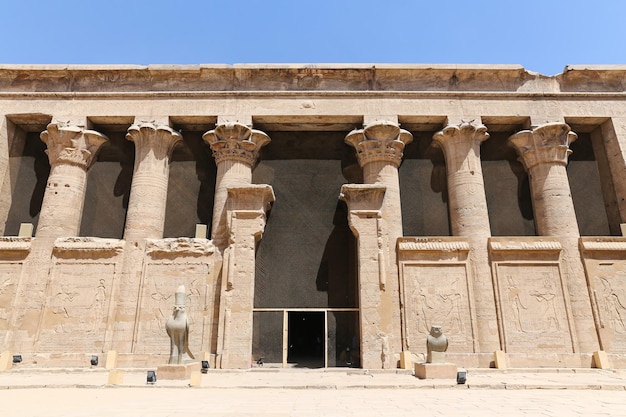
(418, 244)
(182, 246)
(65, 247)
(525, 244)
(15, 243)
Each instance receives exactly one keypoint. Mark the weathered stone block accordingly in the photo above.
(111, 362)
(177, 371)
(499, 358)
(195, 379)
(406, 362)
(435, 370)
(116, 377)
(601, 360)
(6, 361)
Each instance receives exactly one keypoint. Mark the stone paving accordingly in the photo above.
(46, 392)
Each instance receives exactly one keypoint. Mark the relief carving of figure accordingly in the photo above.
(547, 296)
(454, 311)
(515, 302)
(614, 307)
(177, 329)
(421, 306)
(156, 324)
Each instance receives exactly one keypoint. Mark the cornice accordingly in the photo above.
(308, 77)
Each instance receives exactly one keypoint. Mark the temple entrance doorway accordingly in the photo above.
(305, 339)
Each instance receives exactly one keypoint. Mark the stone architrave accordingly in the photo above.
(543, 152)
(469, 217)
(71, 150)
(154, 143)
(246, 208)
(379, 147)
(235, 148)
(376, 319)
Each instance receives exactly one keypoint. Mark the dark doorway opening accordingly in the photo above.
(306, 339)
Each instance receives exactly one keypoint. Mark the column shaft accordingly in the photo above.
(145, 217)
(230, 173)
(469, 218)
(544, 151)
(379, 149)
(235, 148)
(72, 151)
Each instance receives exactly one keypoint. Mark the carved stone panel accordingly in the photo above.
(77, 308)
(437, 294)
(605, 265)
(533, 308)
(159, 283)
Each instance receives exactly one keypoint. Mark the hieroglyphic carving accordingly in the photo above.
(437, 294)
(77, 307)
(533, 308)
(9, 274)
(160, 283)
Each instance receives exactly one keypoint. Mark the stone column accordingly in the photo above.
(246, 208)
(235, 148)
(544, 151)
(154, 143)
(469, 218)
(71, 151)
(375, 314)
(379, 149)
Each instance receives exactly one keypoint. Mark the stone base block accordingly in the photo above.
(111, 362)
(195, 379)
(601, 360)
(116, 377)
(435, 370)
(177, 371)
(436, 357)
(6, 361)
(406, 362)
(499, 359)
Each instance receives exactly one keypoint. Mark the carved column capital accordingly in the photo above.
(235, 142)
(545, 144)
(469, 132)
(71, 144)
(383, 141)
(149, 136)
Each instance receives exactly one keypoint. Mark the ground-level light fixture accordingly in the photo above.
(94, 360)
(151, 378)
(205, 367)
(461, 377)
(17, 358)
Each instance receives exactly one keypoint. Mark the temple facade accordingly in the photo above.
(317, 215)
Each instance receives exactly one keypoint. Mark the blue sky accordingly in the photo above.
(543, 36)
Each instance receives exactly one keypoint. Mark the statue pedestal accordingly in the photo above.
(435, 370)
(177, 371)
